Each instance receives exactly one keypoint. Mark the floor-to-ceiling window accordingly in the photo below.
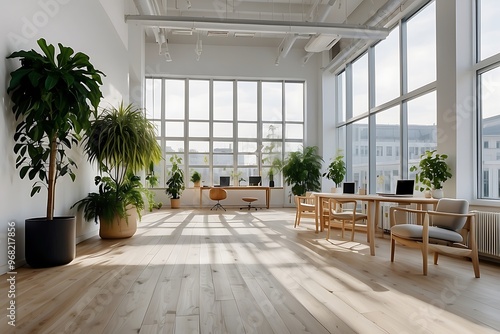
(230, 128)
(386, 115)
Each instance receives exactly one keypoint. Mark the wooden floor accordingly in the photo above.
(197, 271)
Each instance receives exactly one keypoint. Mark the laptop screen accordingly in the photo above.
(349, 188)
(405, 187)
(224, 181)
(254, 180)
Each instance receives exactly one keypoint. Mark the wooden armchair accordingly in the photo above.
(337, 212)
(306, 208)
(449, 230)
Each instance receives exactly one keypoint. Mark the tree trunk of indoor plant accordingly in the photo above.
(50, 242)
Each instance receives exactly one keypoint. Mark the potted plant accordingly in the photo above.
(276, 165)
(54, 97)
(302, 170)
(431, 172)
(152, 181)
(336, 170)
(175, 183)
(196, 179)
(122, 142)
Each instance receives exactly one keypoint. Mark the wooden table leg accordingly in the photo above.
(372, 210)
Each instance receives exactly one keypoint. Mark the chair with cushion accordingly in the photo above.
(344, 212)
(217, 194)
(449, 230)
(306, 208)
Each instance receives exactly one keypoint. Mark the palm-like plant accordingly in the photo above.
(122, 142)
(302, 170)
(51, 96)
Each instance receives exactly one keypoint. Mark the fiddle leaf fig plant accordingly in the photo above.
(54, 97)
(336, 170)
(432, 171)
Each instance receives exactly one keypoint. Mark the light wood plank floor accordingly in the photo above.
(197, 271)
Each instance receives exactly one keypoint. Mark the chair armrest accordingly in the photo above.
(439, 213)
(393, 209)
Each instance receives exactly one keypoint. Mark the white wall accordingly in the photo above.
(84, 26)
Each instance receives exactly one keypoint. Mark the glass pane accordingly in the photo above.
(360, 86)
(199, 146)
(174, 129)
(422, 129)
(387, 68)
(250, 147)
(421, 48)
(174, 99)
(174, 146)
(359, 139)
(490, 142)
(157, 125)
(223, 147)
(489, 29)
(387, 143)
(293, 147)
(247, 159)
(270, 147)
(223, 130)
(246, 172)
(272, 97)
(199, 129)
(272, 131)
(223, 100)
(200, 159)
(247, 100)
(205, 176)
(294, 131)
(294, 101)
(223, 159)
(247, 130)
(199, 101)
(152, 99)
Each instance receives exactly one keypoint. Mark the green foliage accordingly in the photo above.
(336, 170)
(432, 171)
(302, 170)
(123, 142)
(113, 199)
(51, 95)
(175, 183)
(151, 181)
(195, 177)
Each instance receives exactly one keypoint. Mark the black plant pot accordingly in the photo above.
(50, 243)
(271, 184)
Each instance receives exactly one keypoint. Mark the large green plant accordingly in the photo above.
(54, 97)
(336, 170)
(432, 171)
(302, 170)
(175, 182)
(122, 141)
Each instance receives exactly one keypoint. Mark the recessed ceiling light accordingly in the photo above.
(188, 32)
(244, 34)
(217, 33)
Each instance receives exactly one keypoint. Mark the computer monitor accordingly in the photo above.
(254, 180)
(224, 181)
(349, 188)
(405, 187)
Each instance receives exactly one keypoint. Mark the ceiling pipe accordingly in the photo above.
(310, 15)
(322, 18)
(265, 26)
(382, 14)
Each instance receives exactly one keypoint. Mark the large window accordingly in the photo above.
(488, 28)
(401, 124)
(225, 127)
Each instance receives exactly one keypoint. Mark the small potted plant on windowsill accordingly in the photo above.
(336, 171)
(175, 183)
(196, 179)
(432, 172)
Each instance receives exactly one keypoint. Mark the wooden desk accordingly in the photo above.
(239, 188)
(373, 210)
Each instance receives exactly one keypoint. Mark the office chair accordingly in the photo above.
(217, 194)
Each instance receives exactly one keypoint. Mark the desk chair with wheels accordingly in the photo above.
(217, 194)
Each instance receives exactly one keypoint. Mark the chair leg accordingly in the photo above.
(424, 260)
(475, 264)
(353, 229)
(436, 256)
(297, 219)
(343, 228)
(328, 232)
(393, 247)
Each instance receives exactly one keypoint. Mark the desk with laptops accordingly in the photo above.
(403, 195)
(253, 184)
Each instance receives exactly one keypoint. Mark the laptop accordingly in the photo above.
(254, 180)
(224, 181)
(349, 188)
(404, 188)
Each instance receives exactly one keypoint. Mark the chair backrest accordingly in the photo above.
(451, 206)
(217, 194)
